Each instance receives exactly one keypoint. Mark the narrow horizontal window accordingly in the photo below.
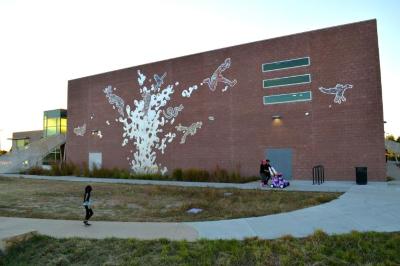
(288, 98)
(287, 81)
(291, 63)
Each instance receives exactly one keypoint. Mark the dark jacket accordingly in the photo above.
(264, 169)
(86, 197)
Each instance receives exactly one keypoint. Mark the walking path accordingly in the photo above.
(362, 208)
(372, 207)
(66, 228)
(295, 185)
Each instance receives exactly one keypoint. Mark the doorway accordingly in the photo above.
(95, 160)
(281, 160)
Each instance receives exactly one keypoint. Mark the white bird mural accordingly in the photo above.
(217, 76)
(338, 91)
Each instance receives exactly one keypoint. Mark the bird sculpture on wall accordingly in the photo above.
(217, 77)
(115, 100)
(338, 91)
(80, 130)
(159, 80)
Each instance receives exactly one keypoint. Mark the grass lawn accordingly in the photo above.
(122, 202)
(319, 249)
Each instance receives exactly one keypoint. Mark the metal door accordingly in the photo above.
(95, 159)
(281, 160)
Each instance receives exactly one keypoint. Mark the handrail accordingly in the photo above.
(31, 155)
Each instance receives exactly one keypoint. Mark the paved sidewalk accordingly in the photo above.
(295, 185)
(372, 207)
(66, 228)
(362, 208)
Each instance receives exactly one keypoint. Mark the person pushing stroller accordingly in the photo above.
(266, 172)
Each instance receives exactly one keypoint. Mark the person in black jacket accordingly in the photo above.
(87, 204)
(264, 172)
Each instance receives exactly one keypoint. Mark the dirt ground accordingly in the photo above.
(122, 202)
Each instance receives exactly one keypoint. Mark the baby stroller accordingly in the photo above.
(279, 182)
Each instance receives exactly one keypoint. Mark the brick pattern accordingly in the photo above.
(339, 137)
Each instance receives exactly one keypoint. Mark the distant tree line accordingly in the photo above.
(393, 138)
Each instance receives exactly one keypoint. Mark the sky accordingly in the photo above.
(45, 43)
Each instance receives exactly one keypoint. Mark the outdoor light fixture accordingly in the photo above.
(307, 113)
(276, 117)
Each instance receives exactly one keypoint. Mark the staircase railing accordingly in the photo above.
(30, 155)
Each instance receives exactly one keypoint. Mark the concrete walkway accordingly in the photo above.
(295, 185)
(66, 228)
(372, 207)
(362, 208)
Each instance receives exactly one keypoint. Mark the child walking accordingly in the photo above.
(87, 204)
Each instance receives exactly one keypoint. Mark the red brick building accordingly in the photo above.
(302, 100)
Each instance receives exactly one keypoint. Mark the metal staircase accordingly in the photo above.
(31, 155)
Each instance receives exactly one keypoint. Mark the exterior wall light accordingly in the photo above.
(276, 120)
(306, 113)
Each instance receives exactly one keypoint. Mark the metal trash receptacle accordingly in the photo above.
(361, 175)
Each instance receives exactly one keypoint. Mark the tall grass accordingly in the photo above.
(354, 248)
(192, 174)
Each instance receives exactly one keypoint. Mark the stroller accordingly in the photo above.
(279, 182)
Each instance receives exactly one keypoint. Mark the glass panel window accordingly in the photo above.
(51, 122)
(54, 122)
(52, 157)
(291, 63)
(63, 126)
(21, 143)
(50, 131)
(63, 122)
(44, 122)
(288, 98)
(287, 81)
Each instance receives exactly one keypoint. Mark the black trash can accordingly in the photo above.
(361, 175)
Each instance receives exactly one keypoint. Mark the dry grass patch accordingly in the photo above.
(122, 202)
(366, 248)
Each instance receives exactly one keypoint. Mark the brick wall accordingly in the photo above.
(338, 136)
